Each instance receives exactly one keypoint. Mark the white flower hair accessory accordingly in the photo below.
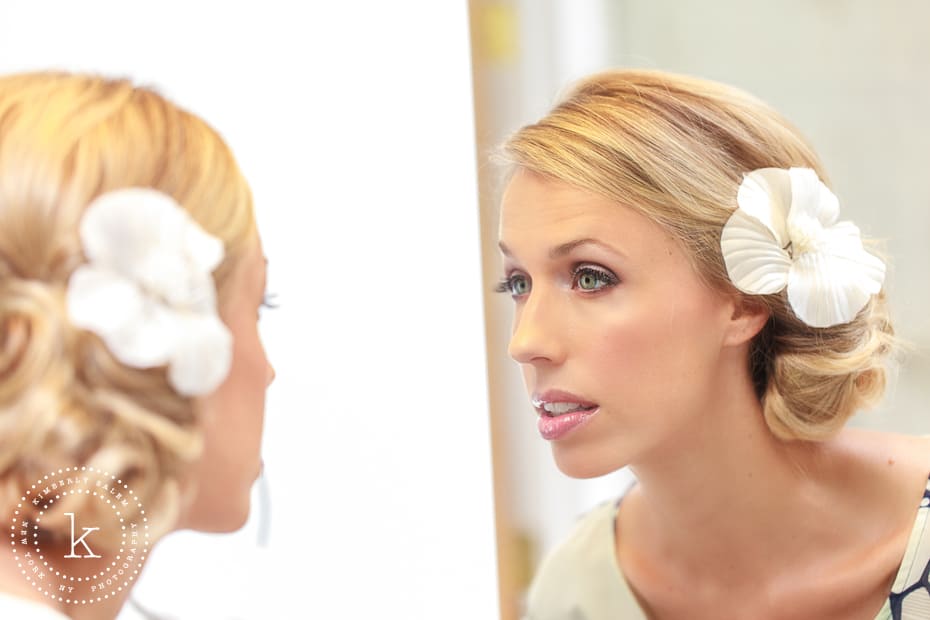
(147, 289)
(785, 234)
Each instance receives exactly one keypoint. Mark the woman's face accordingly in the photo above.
(233, 415)
(613, 329)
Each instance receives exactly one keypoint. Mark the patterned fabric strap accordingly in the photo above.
(910, 595)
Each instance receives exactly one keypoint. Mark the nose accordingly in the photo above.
(537, 337)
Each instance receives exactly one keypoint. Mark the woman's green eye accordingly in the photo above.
(590, 279)
(515, 284)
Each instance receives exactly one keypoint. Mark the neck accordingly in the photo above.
(729, 495)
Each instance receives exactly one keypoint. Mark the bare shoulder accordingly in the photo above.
(890, 469)
(890, 450)
(914, 450)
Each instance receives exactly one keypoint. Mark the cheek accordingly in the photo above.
(633, 354)
(659, 351)
(237, 408)
(249, 370)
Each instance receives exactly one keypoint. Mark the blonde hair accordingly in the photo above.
(676, 148)
(65, 401)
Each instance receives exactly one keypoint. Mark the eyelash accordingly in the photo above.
(508, 282)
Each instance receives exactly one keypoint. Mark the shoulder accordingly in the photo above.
(885, 454)
(880, 476)
(889, 456)
(578, 579)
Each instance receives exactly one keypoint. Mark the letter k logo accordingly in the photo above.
(87, 530)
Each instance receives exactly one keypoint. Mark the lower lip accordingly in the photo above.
(553, 428)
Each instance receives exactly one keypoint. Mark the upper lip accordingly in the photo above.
(559, 396)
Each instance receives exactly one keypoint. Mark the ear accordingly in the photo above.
(748, 318)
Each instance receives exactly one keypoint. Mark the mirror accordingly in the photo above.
(850, 75)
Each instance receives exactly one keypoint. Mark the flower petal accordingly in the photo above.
(131, 325)
(755, 261)
(828, 288)
(811, 198)
(765, 194)
(204, 251)
(182, 274)
(149, 340)
(202, 357)
(145, 235)
(120, 229)
(101, 300)
(200, 295)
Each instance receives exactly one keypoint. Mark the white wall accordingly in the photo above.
(852, 76)
(353, 122)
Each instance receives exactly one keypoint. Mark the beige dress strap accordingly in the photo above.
(580, 579)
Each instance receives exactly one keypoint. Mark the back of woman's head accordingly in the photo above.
(65, 400)
(676, 149)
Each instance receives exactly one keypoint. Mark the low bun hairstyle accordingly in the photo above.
(676, 149)
(65, 401)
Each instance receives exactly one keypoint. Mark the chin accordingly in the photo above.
(581, 464)
(234, 517)
(219, 515)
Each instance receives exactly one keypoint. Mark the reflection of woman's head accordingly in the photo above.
(675, 150)
(65, 399)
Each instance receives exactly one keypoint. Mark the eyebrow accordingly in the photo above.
(568, 247)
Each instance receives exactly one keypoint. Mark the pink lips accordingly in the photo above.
(554, 427)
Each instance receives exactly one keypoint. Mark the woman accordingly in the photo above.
(688, 305)
(132, 376)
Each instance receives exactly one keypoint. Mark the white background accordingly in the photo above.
(353, 123)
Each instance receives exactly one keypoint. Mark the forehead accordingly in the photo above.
(537, 210)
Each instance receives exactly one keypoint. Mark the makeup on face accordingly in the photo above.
(618, 338)
(561, 412)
